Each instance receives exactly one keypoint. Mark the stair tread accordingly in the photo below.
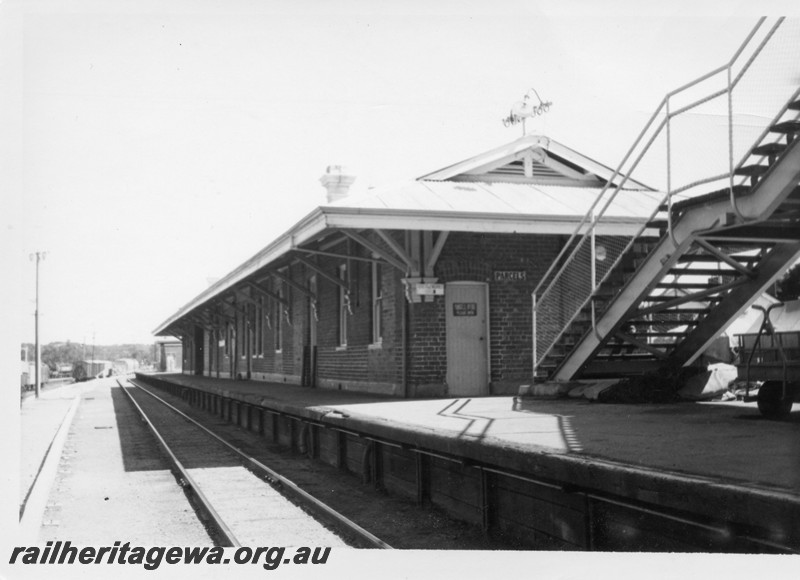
(786, 127)
(685, 286)
(703, 272)
(668, 298)
(687, 311)
(750, 170)
(644, 322)
(692, 258)
(676, 334)
(769, 149)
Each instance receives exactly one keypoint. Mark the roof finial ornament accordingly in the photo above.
(521, 110)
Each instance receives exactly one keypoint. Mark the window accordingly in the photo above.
(241, 334)
(277, 325)
(377, 303)
(344, 306)
(250, 328)
(259, 326)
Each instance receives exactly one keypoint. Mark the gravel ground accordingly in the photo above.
(102, 495)
(255, 512)
(399, 522)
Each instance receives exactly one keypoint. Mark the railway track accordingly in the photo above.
(241, 500)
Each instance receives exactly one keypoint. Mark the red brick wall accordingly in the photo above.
(466, 256)
(359, 361)
(475, 257)
(427, 354)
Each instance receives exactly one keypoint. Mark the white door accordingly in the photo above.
(467, 338)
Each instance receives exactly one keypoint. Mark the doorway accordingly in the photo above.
(467, 338)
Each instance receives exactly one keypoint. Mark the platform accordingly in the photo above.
(719, 463)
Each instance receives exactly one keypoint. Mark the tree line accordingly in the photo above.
(56, 354)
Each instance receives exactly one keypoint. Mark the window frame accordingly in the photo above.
(376, 293)
(343, 311)
(277, 326)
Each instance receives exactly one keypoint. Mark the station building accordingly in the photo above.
(418, 290)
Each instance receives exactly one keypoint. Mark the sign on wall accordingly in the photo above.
(430, 289)
(510, 275)
(465, 308)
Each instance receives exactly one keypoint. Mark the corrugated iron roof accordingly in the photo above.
(530, 200)
(471, 196)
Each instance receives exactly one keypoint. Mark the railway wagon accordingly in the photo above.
(28, 375)
(89, 369)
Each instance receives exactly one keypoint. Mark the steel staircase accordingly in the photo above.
(668, 300)
(698, 264)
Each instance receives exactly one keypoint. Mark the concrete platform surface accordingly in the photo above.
(111, 481)
(728, 442)
(40, 419)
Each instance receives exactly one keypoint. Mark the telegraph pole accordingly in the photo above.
(39, 256)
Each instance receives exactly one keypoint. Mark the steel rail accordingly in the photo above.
(183, 475)
(278, 480)
(725, 531)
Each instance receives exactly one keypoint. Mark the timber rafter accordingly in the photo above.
(291, 283)
(312, 266)
(268, 294)
(404, 263)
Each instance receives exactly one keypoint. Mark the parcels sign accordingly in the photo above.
(509, 275)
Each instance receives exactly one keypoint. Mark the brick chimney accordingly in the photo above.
(337, 182)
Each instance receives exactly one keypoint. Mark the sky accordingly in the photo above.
(159, 144)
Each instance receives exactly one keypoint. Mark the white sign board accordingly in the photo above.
(430, 289)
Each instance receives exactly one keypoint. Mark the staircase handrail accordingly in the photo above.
(592, 217)
(643, 132)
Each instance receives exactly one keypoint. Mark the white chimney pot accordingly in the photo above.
(337, 182)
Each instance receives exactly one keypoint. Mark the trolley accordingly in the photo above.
(772, 360)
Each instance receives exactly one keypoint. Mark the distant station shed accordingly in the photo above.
(419, 290)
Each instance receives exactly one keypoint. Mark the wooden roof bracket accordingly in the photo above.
(234, 306)
(435, 252)
(340, 256)
(312, 266)
(404, 264)
(299, 287)
(180, 328)
(217, 313)
(220, 310)
(200, 320)
(268, 294)
(240, 293)
(206, 316)
(191, 319)
(409, 261)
